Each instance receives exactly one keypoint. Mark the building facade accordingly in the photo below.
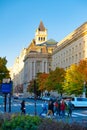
(43, 55)
(71, 49)
(17, 72)
(39, 55)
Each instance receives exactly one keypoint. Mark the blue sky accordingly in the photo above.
(19, 20)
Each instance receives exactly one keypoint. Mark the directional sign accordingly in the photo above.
(6, 80)
(7, 87)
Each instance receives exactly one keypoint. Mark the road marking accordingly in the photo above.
(72, 115)
(79, 114)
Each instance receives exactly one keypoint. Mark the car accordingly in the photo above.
(78, 102)
(45, 98)
(48, 98)
(15, 96)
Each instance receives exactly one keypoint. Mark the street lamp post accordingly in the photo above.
(84, 90)
(35, 96)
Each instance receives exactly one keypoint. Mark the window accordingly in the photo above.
(73, 99)
(43, 38)
(79, 99)
(39, 38)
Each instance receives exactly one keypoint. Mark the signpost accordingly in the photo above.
(7, 89)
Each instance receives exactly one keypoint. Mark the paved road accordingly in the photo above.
(78, 115)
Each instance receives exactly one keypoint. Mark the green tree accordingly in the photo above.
(55, 80)
(4, 73)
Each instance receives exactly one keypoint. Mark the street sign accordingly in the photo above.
(7, 87)
(6, 80)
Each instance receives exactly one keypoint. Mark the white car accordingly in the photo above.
(79, 102)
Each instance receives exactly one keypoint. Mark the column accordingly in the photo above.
(46, 67)
(43, 69)
(34, 69)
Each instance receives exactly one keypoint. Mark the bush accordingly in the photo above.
(53, 125)
(22, 122)
(26, 122)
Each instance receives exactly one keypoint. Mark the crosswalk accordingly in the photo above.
(74, 114)
(79, 114)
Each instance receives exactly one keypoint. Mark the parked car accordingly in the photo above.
(78, 102)
(48, 98)
(45, 98)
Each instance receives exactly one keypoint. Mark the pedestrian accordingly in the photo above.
(23, 111)
(62, 107)
(70, 107)
(59, 110)
(44, 108)
(50, 108)
(56, 107)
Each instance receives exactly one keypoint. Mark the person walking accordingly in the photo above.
(44, 108)
(62, 107)
(50, 108)
(23, 111)
(56, 107)
(70, 107)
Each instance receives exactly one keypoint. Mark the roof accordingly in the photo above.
(49, 42)
(41, 27)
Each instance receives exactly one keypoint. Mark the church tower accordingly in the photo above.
(41, 34)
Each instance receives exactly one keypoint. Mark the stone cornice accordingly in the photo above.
(37, 55)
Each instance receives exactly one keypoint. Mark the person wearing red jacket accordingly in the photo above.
(62, 108)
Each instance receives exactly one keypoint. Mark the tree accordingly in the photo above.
(41, 80)
(30, 87)
(75, 77)
(4, 73)
(55, 80)
(71, 80)
(33, 87)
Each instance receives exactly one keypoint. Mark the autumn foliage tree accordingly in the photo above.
(30, 87)
(41, 80)
(75, 77)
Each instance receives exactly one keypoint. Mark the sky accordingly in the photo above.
(19, 20)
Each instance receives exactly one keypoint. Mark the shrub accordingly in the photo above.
(26, 122)
(22, 122)
(54, 125)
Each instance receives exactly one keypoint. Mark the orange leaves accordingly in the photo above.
(41, 80)
(82, 68)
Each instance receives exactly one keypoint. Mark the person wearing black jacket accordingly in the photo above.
(50, 108)
(23, 107)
